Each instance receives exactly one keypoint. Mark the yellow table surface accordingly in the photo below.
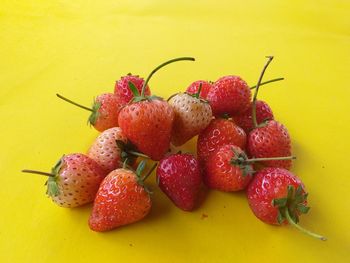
(79, 49)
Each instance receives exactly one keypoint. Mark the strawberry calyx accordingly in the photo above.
(129, 152)
(52, 186)
(291, 206)
(196, 95)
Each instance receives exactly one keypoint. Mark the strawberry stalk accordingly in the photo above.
(257, 90)
(74, 103)
(149, 172)
(158, 68)
(297, 226)
(199, 91)
(266, 82)
(252, 160)
(38, 172)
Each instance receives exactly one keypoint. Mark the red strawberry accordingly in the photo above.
(74, 180)
(229, 95)
(194, 87)
(263, 113)
(105, 150)
(121, 199)
(104, 111)
(227, 169)
(219, 132)
(178, 176)
(277, 197)
(270, 139)
(122, 90)
(192, 115)
(148, 121)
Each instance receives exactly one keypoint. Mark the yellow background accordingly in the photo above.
(79, 48)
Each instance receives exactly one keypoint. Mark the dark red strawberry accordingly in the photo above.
(122, 90)
(219, 132)
(205, 87)
(278, 197)
(229, 95)
(104, 111)
(74, 180)
(178, 176)
(245, 120)
(268, 139)
(147, 122)
(121, 199)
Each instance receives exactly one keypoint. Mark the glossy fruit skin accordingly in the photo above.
(179, 177)
(194, 87)
(221, 174)
(148, 125)
(120, 200)
(268, 184)
(219, 132)
(229, 95)
(78, 180)
(271, 140)
(108, 112)
(104, 149)
(122, 90)
(245, 120)
(192, 115)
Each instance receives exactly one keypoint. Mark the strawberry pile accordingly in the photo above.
(239, 147)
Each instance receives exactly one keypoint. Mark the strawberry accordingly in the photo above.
(147, 122)
(194, 87)
(74, 180)
(121, 199)
(192, 115)
(263, 113)
(104, 111)
(105, 150)
(122, 90)
(178, 176)
(276, 196)
(219, 132)
(227, 169)
(229, 95)
(269, 139)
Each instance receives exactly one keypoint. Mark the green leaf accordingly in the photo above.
(56, 169)
(279, 202)
(290, 192)
(280, 217)
(247, 170)
(52, 187)
(154, 97)
(303, 208)
(133, 89)
(95, 113)
(140, 168)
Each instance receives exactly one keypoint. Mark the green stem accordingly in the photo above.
(305, 231)
(149, 172)
(37, 172)
(270, 159)
(266, 82)
(74, 103)
(138, 154)
(158, 68)
(197, 95)
(257, 89)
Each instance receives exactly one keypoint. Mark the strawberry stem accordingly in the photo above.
(158, 68)
(149, 172)
(199, 91)
(270, 58)
(270, 159)
(74, 103)
(138, 154)
(305, 231)
(266, 82)
(38, 172)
